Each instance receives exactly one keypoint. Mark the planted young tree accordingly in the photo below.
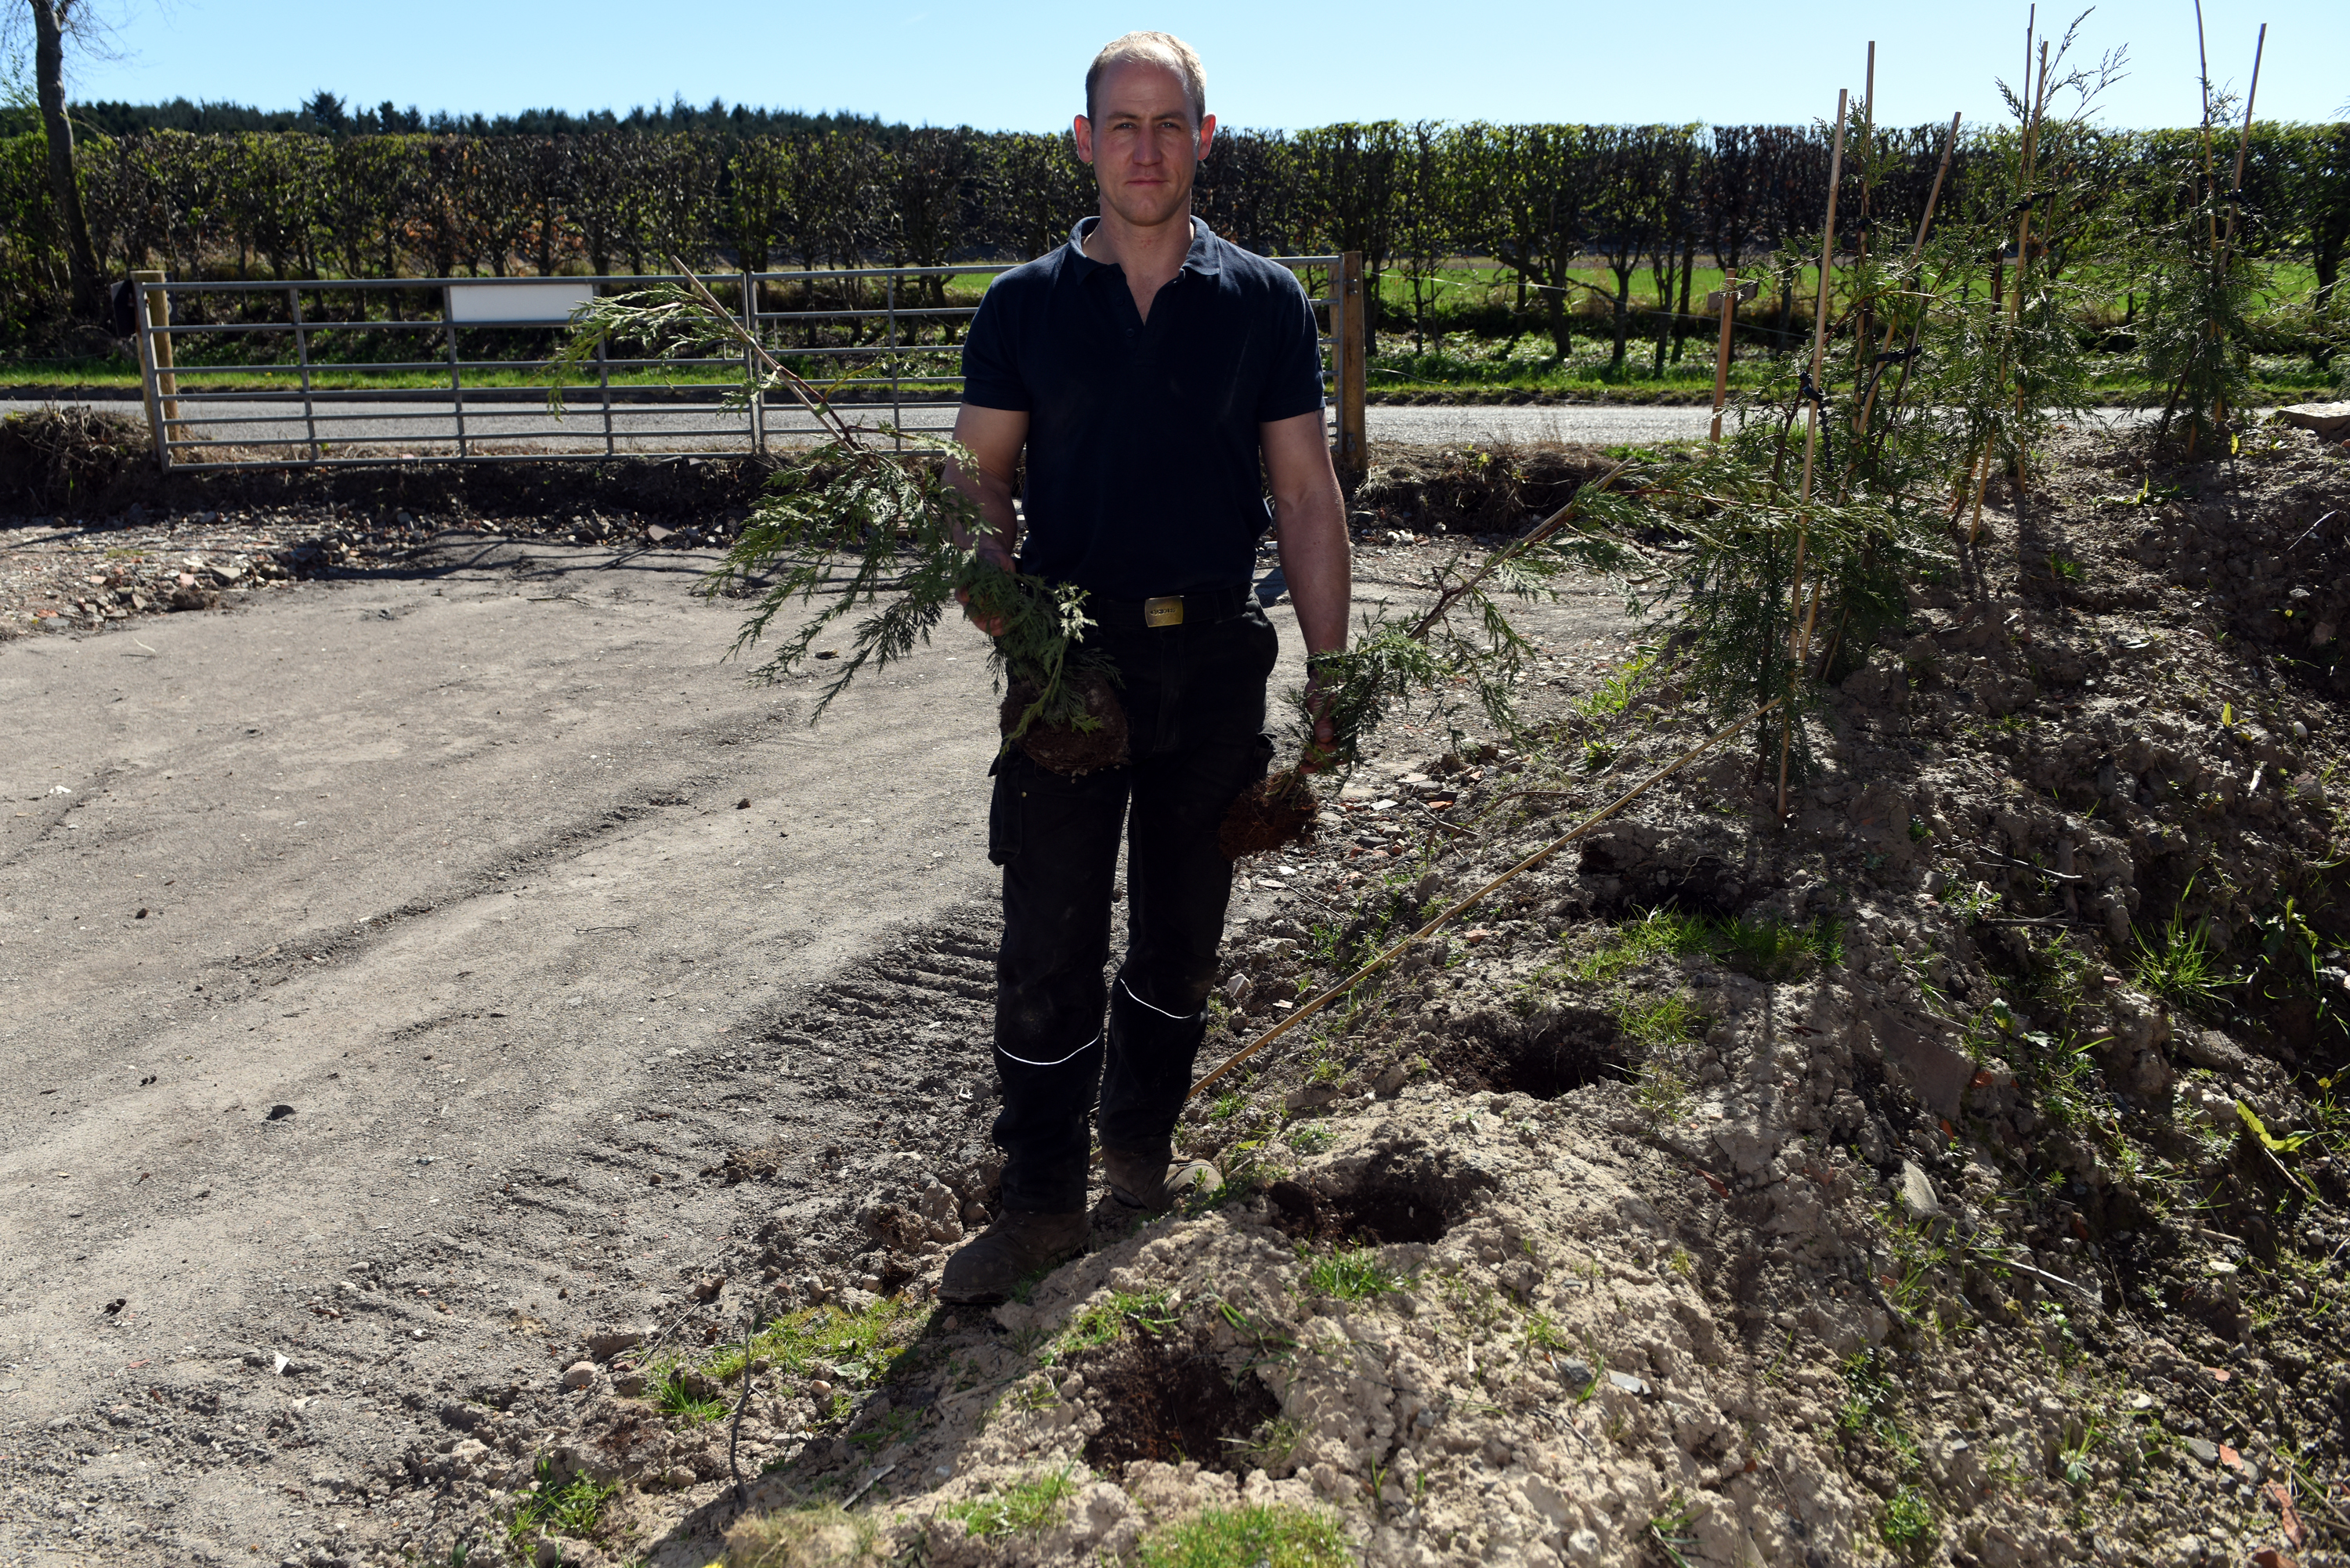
(2202, 288)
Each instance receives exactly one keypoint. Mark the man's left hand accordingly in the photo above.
(1321, 752)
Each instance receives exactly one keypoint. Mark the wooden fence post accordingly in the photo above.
(159, 386)
(1352, 345)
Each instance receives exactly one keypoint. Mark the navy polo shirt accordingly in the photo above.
(1144, 472)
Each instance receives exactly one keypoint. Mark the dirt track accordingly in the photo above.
(449, 860)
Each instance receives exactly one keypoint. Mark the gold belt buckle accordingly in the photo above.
(1165, 610)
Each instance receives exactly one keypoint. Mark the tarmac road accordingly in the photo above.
(657, 428)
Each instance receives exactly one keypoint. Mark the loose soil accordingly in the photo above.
(1894, 1215)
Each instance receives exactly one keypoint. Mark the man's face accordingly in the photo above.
(1143, 143)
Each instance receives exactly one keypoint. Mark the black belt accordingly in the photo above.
(1200, 607)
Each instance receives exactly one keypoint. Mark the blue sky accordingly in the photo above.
(1020, 66)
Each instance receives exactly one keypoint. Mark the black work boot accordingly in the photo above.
(1155, 1179)
(1018, 1244)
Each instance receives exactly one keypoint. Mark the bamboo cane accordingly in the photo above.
(1797, 650)
(1721, 354)
(2024, 247)
(1917, 249)
(1528, 864)
(1867, 151)
(2236, 191)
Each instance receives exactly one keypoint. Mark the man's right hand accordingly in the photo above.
(991, 624)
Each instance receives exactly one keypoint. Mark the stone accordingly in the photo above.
(2204, 1450)
(579, 1374)
(611, 1342)
(1917, 1191)
(2331, 421)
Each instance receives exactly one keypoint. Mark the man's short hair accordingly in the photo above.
(1157, 49)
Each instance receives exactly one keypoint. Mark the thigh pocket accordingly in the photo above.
(1003, 813)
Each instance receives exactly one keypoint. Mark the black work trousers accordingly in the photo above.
(1195, 703)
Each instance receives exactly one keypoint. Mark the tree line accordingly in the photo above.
(1578, 217)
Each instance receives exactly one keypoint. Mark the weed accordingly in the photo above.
(674, 1395)
(2181, 966)
(1275, 1536)
(2066, 570)
(1907, 1525)
(1542, 1333)
(1351, 1276)
(1226, 1106)
(1104, 1321)
(1024, 1507)
(1662, 1093)
(1971, 901)
(1869, 1396)
(1617, 692)
(573, 1507)
(1668, 1531)
(1310, 1137)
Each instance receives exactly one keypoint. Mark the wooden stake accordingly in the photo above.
(1799, 639)
(1721, 354)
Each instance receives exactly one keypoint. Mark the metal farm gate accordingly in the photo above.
(881, 341)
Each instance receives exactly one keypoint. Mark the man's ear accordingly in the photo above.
(1081, 129)
(1207, 133)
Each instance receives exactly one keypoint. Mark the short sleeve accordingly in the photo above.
(991, 374)
(1293, 380)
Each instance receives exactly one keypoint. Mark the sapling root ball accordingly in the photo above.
(1274, 811)
(1087, 745)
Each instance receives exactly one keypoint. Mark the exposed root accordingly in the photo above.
(1271, 813)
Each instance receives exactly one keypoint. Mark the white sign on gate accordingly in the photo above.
(519, 299)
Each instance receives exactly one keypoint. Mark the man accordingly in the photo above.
(1148, 368)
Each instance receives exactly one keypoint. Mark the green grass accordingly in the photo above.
(2178, 964)
(1658, 1023)
(1105, 1321)
(1024, 1507)
(1353, 1275)
(673, 1395)
(1763, 949)
(574, 1508)
(1272, 1537)
(866, 1342)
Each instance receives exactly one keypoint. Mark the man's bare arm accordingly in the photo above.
(1310, 526)
(994, 437)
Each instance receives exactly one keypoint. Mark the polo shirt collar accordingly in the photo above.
(1201, 258)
